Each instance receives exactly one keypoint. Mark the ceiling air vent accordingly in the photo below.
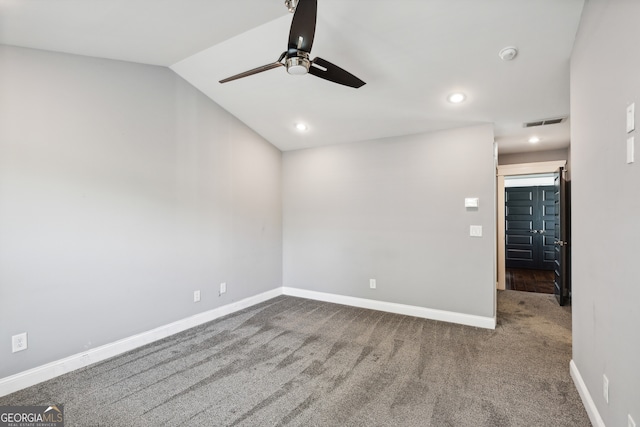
(544, 122)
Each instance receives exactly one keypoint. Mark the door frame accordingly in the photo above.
(511, 170)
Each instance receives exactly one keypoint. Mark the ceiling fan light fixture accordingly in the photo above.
(298, 66)
(457, 98)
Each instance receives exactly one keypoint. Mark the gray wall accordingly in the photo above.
(533, 157)
(605, 70)
(122, 190)
(393, 210)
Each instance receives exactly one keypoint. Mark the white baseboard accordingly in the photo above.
(587, 401)
(59, 367)
(408, 310)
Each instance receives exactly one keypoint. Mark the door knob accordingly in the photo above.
(559, 243)
(533, 231)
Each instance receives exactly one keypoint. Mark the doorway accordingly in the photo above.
(529, 233)
(517, 170)
(529, 222)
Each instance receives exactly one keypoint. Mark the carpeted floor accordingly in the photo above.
(297, 362)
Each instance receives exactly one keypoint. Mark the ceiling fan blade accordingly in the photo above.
(303, 25)
(253, 71)
(328, 71)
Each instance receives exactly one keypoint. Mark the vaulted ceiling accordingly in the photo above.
(411, 53)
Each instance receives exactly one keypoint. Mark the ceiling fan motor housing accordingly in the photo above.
(291, 5)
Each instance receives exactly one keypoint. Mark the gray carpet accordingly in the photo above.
(296, 362)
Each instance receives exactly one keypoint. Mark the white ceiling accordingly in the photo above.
(411, 54)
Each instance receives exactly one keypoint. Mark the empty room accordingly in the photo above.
(319, 212)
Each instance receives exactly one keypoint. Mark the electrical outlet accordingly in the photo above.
(196, 296)
(631, 422)
(372, 283)
(223, 287)
(605, 388)
(19, 342)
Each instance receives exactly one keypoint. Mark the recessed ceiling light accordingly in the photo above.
(534, 140)
(457, 98)
(301, 127)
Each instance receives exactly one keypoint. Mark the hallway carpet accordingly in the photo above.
(297, 362)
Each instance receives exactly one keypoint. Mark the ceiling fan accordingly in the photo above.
(296, 57)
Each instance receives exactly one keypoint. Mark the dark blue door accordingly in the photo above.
(529, 227)
(562, 281)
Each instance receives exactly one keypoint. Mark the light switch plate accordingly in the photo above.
(631, 120)
(631, 149)
(475, 231)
